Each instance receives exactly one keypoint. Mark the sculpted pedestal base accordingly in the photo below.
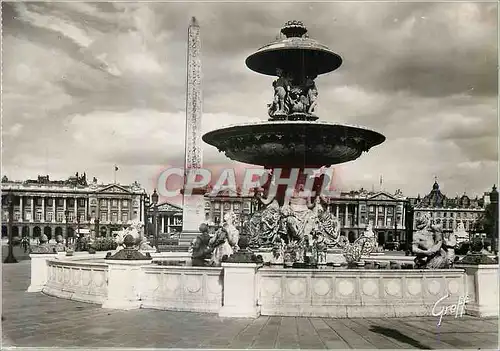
(482, 289)
(240, 291)
(39, 271)
(124, 284)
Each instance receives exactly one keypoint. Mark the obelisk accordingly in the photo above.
(193, 213)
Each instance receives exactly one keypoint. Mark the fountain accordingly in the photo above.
(295, 141)
(292, 224)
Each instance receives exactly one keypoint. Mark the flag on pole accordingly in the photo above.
(380, 182)
(116, 168)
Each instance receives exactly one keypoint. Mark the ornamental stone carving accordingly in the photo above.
(370, 287)
(322, 287)
(345, 287)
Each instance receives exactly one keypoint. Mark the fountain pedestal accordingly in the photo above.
(124, 284)
(240, 290)
(482, 289)
(39, 272)
(125, 278)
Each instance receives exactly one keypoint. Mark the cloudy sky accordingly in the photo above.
(88, 85)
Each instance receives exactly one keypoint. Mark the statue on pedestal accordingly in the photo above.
(431, 248)
(135, 229)
(364, 245)
(59, 247)
(225, 240)
(201, 250)
(44, 247)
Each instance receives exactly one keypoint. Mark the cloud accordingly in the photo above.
(93, 84)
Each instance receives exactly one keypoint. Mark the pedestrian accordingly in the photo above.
(25, 243)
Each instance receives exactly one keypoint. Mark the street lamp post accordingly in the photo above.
(146, 217)
(78, 226)
(78, 239)
(66, 217)
(96, 228)
(10, 203)
(154, 200)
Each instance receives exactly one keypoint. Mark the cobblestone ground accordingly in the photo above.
(35, 320)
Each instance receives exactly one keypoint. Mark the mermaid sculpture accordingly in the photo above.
(431, 248)
(136, 230)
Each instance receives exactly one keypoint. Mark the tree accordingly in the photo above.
(486, 222)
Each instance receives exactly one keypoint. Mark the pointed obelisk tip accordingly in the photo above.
(194, 22)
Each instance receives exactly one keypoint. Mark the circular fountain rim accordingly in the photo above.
(325, 123)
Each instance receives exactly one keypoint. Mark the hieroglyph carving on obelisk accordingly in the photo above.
(193, 204)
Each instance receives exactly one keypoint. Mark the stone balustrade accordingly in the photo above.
(249, 290)
(349, 293)
(77, 280)
(182, 288)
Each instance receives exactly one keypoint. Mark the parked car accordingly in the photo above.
(392, 246)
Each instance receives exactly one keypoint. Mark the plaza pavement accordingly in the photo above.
(35, 320)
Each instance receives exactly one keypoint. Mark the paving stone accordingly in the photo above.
(378, 340)
(328, 336)
(247, 336)
(354, 340)
(308, 337)
(288, 337)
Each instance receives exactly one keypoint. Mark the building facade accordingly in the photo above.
(384, 211)
(449, 212)
(169, 219)
(72, 205)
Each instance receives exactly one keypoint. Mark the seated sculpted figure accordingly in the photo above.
(225, 240)
(59, 243)
(44, 247)
(312, 93)
(328, 224)
(427, 245)
(305, 216)
(233, 235)
(449, 245)
(264, 223)
(201, 249)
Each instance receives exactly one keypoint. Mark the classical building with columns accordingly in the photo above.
(449, 212)
(169, 218)
(67, 206)
(384, 211)
(354, 209)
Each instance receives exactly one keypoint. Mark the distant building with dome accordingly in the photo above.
(447, 211)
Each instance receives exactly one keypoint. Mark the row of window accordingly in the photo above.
(227, 205)
(449, 214)
(112, 202)
(114, 217)
(38, 201)
(59, 202)
(49, 217)
(450, 224)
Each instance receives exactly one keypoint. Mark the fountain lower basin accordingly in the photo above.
(324, 292)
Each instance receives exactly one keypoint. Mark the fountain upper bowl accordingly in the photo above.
(293, 143)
